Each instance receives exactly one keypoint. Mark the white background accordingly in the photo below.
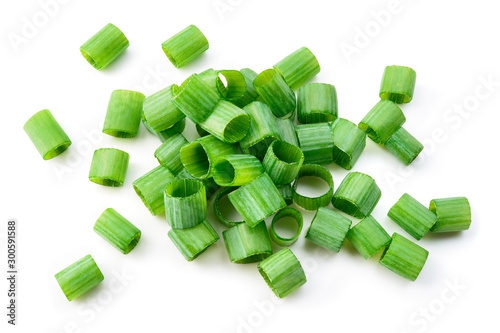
(452, 45)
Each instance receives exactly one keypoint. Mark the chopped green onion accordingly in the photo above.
(404, 146)
(357, 195)
(404, 257)
(283, 162)
(453, 214)
(46, 134)
(79, 277)
(192, 242)
(236, 84)
(368, 237)
(313, 203)
(151, 187)
(201, 131)
(298, 67)
(317, 103)
(109, 167)
(168, 154)
(286, 212)
(412, 216)
(286, 192)
(257, 200)
(227, 122)
(124, 114)
(383, 120)
(316, 141)
(218, 214)
(210, 186)
(185, 203)
(246, 245)
(328, 229)
(104, 47)
(185, 46)
(287, 131)
(348, 143)
(250, 94)
(273, 91)
(178, 128)
(159, 110)
(236, 169)
(282, 272)
(398, 84)
(117, 230)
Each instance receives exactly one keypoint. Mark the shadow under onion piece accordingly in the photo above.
(313, 203)
(159, 110)
(398, 84)
(168, 153)
(383, 120)
(412, 216)
(109, 167)
(317, 103)
(357, 195)
(117, 230)
(124, 114)
(316, 141)
(404, 146)
(104, 47)
(349, 141)
(151, 188)
(185, 203)
(368, 237)
(227, 122)
(283, 162)
(453, 214)
(298, 67)
(246, 245)
(185, 46)
(273, 91)
(286, 212)
(79, 277)
(210, 186)
(328, 229)
(192, 242)
(237, 169)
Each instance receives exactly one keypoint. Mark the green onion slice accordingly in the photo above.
(250, 94)
(286, 192)
(348, 143)
(453, 214)
(218, 214)
(109, 167)
(192, 242)
(124, 114)
(286, 212)
(357, 195)
(246, 245)
(236, 169)
(210, 186)
(227, 122)
(298, 67)
(287, 131)
(412, 216)
(404, 146)
(185, 203)
(398, 84)
(313, 203)
(185, 46)
(151, 187)
(168, 153)
(159, 110)
(178, 128)
(234, 86)
(117, 230)
(328, 229)
(273, 91)
(79, 277)
(368, 237)
(316, 141)
(104, 47)
(317, 103)
(383, 120)
(283, 162)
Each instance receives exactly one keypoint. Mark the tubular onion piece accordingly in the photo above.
(109, 167)
(349, 141)
(227, 122)
(328, 229)
(368, 237)
(357, 195)
(124, 114)
(104, 47)
(317, 103)
(79, 277)
(185, 203)
(218, 214)
(287, 131)
(185, 46)
(286, 192)
(313, 203)
(246, 245)
(168, 153)
(159, 110)
(283, 162)
(273, 91)
(192, 242)
(151, 187)
(236, 170)
(286, 212)
(404, 146)
(453, 214)
(250, 94)
(298, 67)
(398, 84)
(383, 120)
(178, 128)
(210, 186)
(117, 230)
(316, 141)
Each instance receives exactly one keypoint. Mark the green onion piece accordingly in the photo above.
(283, 162)
(263, 130)
(348, 143)
(185, 46)
(168, 154)
(192, 242)
(104, 47)
(199, 156)
(124, 114)
(412, 216)
(185, 203)
(317, 103)
(237, 169)
(313, 203)
(246, 245)
(235, 86)
(286, 212)
(398, 84)
(404, 146)
(109, 167)
(210, 77)
(79, 277)
(404, 257)
(117, 230)
(286, 192)
(210, 186)
(201, 131)
(368, 237)
(357, 195)
(178, 128)
(453, 214)
(298, 67)
(316, 141)
(218, 214)
(282, 272)
(273, 91)
(159, 110)
(257, 200)
(151, 187)
(383, 120)
(46, 134)
(287, 131)
(328, 229)
(250, 94)
(227, 122)
(195, 98)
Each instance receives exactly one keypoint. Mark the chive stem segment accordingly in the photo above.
(328, 229)
(109, 167)
(246, 245)
(192, 242)
(79, 277)
(349, 141)
(124, 114)
(398, 84)
(250, 94)
(383, 120)
(313, 203)
(185, 46)
(151, 187)
(404, 146)
(368, 237)
(283, 162)
(237, 169)
(168, 153)
(227, 122)
(298, 67)
(317, 103)
(117, 230)
(453, 214)
(287, 131)
(273, 91)
(357, 195)
(159, 110)
(185, 203)
(217, 207)
(286, 212)
(412, 216)
(104, 47)
(210, 186)
(316, 141)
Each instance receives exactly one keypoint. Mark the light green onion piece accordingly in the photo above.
(286, 192)
(313, 203)
(199, 156)
(412, 216)
(283, 162)
(201, 131)
(159, 110)
(235, 86)
(178, 128)
(404, 146)
(257, 200)
(237, 169)
(210, 186)
(124, 114)
(282, 272)
(250, 94)
(109, 167)
(357, 195)
(383, 120)
(168, 153)
(192, 242)
(349, 141)
(398, 84)
(227, 122)
(218, 214)
(185, 46)
(317, 103)
(273, 91)
(453, 214)
(286, 212)
(117, 230)
(404, 257)
(246, 245)
(46, 134)
(328, 229)
(298, 67)
(368, 237)
(79, 277)
(151, 187)
(104, 47)
(287, 131)
(185, 203)
(316, 141)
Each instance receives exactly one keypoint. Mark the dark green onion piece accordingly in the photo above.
(185, 46)
(286, 192)
(383, 120)
(185, 203)
(178, 128)
(316, 141)
(412, 216)
(286, 212)
(227, 122)
(404, 146)
(192, 242)
(124, 114)
(210, 186)
(398, 84)
(317, 103)
(168, 154)
(453, 214)
(246, 245)
(348, 143)
(79, 277)
(328, 229)
(283, 162)
(250, 94)
(368, 237)
(218, 214)
(151, 187)
(117, 230)
(273, 91)
(159, 110)
(357, 195)
(287, 131)
(109, 167)
(298, 67)
(313, 203)
(237, 169)
(104, 47)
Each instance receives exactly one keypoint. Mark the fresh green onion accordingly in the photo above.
(218, 214)
(250, 94)
(79, 277)
(192, 242)
(453, 214)
(286, 192)
(383, 120)
(46, 134)
(117, 230)
(210, 186)
(151, 187)
(236, 169)
(357, 195)
(178, 128)
(348, 143)
(273, 91)
(185, 46)
(159, 110)
(287, 131)
(398, 84)
(412, 216)
(368, 237)
(168, 153)
(328, 229)
(124, 114)
(227, 122)
(317, 103)
(313, 203)
(286, 212)
(104, 47)
(185, 203)
(246, 245)
(298, 67)
(316, 141)
(283, 162)
(235, 86)
(404, 146)
(109, 167)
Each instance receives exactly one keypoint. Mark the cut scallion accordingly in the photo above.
(368, 237)
(210, 186)
(109, 167)
(273, 91)
(328, 229)
(398, 84)
(383, 120)
(348, 143)
(316, 141)
(453, 214)
(317, 103)
(151, 187)
(286, 192)
(298, 67)
(404, 146)
(283, 162)
(357, 195)
(412, 216)
(313, 203)
(227, 122)
(159, 110)
(117, 230)
(246, 245)
(185, 46)
(237, 169)
(168, 153)
(218, 214)
(235, 86)
(286, 212)
(250, 94)
(124, 114)
(104, 47)
(287, 131)
(79, 277)
(185, 203)
(192, 242)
